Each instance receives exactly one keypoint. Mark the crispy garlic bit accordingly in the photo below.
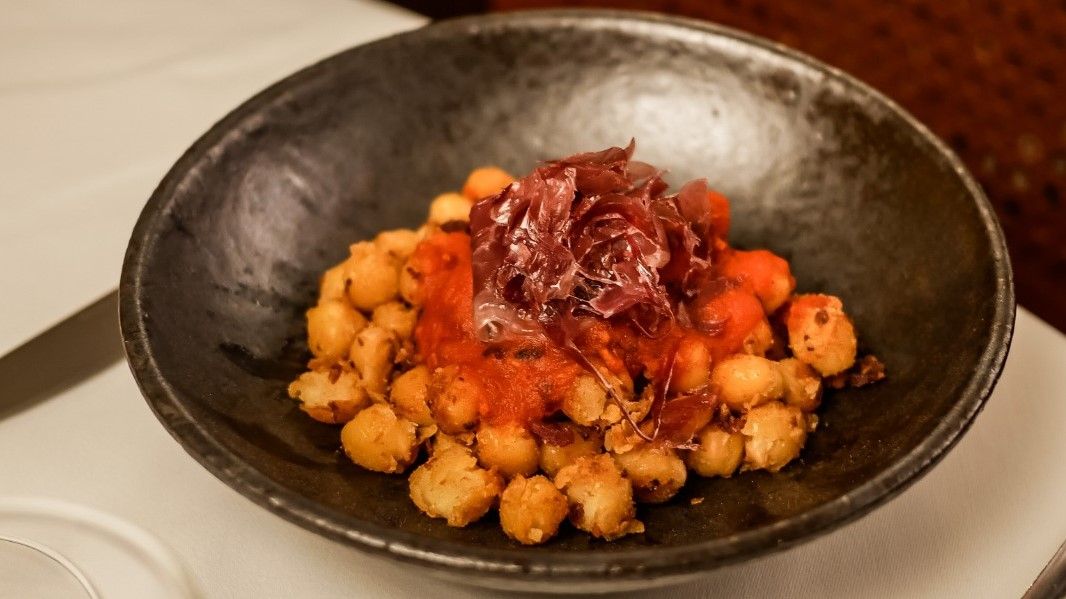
(450, 485)
(486, 181)
(718, 453)
(773, 435)
(379, 440)
(586, 442)
(373, 276)
(600, 498)
(510, 449)
(531, 509)
(820, 334)
(331, 328)
(657, 473)
(332, 396)
(745, 381)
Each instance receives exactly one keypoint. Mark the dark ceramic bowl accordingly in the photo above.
(861, 198)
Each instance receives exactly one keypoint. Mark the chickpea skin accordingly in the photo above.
(745, 381)
(774, 434)
(332, 396)
(821, 334)
(718, 452)
(379, 440)
(531, 509)
(331, 328)
(657, 473)
(373, 276)
(600, 498)
(450, 485)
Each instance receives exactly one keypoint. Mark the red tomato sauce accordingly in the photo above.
(525, 382)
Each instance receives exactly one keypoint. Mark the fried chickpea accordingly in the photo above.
(620, 438)
(692, 365)
(332, 396)
(450, 485)
(334, 284)
(767, 275)
(636, 408)
(396, 318)
(379, 440)
(657, 473)
(586, 400)
(449, 207)
(773, 435)
(371, 354)
(745, 381)
(803, 386)
(373, 276)
(531, 509)
(486, 181)
(408, 395)
(588, 403)
(399, 244)
(600, 498)
(443, 442)
(508, 448)
(760, 340)
(718, 452)
(820, 333)
(454, 399)
(331, 328)
(410, 284)
(586, 442)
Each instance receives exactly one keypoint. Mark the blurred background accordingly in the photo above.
(988, 76)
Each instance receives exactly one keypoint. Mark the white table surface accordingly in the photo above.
(98, 99)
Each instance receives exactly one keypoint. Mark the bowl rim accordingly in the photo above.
(460, 560)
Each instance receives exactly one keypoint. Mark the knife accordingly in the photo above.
(1051, 583)
(61, 357)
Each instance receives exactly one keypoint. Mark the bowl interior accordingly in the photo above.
(228, 252)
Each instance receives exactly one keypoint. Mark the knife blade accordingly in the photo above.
(61, 357)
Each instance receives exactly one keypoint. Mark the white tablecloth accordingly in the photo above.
(98, 99)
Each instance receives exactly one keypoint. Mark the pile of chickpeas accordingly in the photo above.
(366, 375)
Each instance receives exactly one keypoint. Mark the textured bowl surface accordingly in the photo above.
(862, 200)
